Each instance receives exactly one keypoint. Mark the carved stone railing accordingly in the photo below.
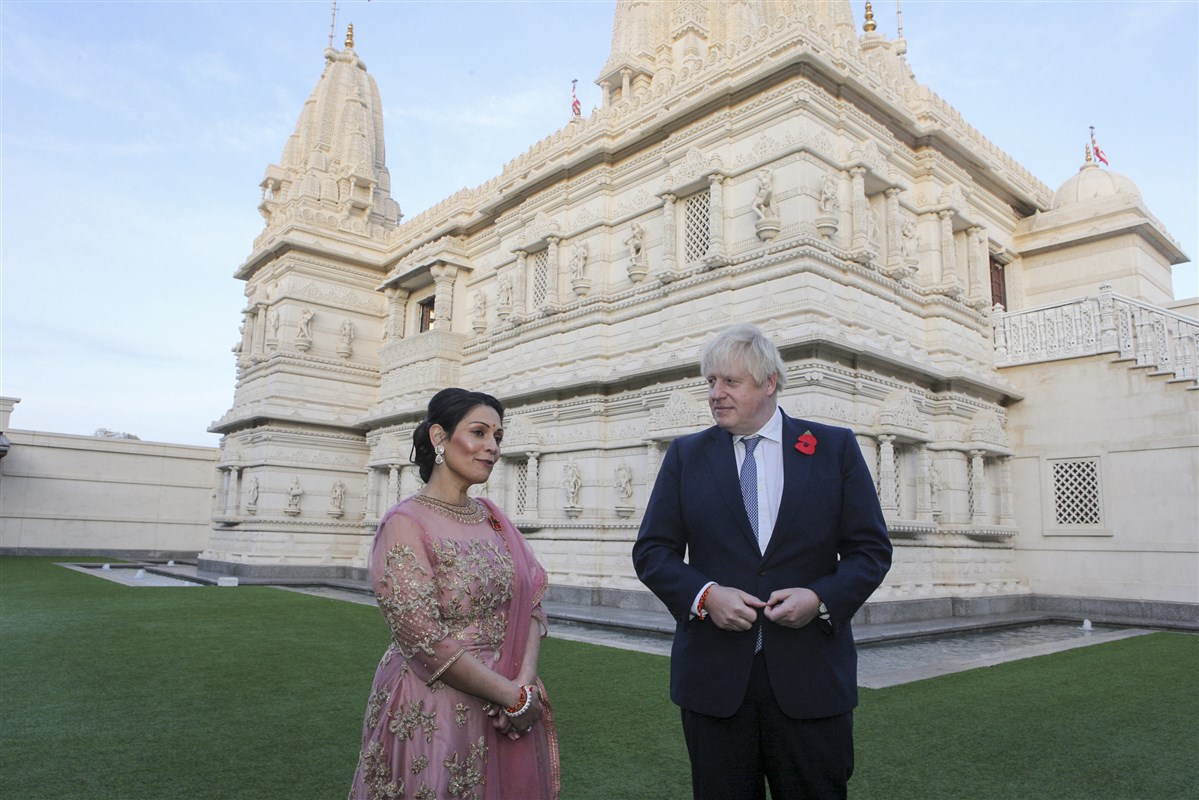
(1132, 330)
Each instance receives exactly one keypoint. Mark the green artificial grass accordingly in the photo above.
(116, 692)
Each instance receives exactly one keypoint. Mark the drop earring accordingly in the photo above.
(440, 451)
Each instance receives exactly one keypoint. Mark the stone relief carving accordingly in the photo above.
(337, 499)
(346, 340)
(294, 493)
(987, 426)
(579, 281)
(304, 332)
(624, 483)
(678, 412)
(830, 203)
(902, 411)
(572, 484)
(478, 312)
(638, 264)
(252, 496)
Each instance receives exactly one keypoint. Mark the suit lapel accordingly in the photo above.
(723, 462)
(797, 471)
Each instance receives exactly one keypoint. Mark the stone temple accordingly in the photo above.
(1011, 358)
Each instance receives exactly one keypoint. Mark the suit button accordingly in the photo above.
(762, 573)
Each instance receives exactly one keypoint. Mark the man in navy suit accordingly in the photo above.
(763, 559)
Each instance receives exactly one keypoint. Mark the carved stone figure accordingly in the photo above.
(764, 199)
(294, 493)
(505, 291)
(305, 331)
(911, 239)
(578, 260)
(636, 244)
(478, 312)
(572, 483)
(344, 345)
(252, 495)
(337, 498)
(829, 202)
(624, 482)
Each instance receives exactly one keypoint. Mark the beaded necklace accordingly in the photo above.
(472, 513)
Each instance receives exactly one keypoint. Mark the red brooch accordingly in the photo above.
(495, 523)
(806, 443)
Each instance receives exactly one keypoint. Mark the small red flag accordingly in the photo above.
(1099, 156)
(576, 107)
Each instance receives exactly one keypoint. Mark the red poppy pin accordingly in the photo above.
(806, 443)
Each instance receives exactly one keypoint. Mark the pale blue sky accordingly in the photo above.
(134, 137)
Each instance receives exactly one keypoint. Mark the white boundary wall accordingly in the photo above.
(60, 492)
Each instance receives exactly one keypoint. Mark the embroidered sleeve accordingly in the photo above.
(406, 590)
(539, 616)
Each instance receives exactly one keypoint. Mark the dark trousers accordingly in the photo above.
(802, 759)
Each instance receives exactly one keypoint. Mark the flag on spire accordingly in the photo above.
(1099, 156)
(576, 107)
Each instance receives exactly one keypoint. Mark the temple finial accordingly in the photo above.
(350, 37)
(1088, 154)
(869, 25)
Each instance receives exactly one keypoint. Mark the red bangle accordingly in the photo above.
(699, 607)
(520, 703)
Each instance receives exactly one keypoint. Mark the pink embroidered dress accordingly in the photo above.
(451, 589)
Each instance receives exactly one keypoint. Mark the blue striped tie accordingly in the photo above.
(749, 494)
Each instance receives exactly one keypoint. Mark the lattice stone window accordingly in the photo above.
(521, 488)
(697, 229)
(541, 277)
(1076, 492)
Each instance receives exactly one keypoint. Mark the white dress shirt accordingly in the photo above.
(768, 456)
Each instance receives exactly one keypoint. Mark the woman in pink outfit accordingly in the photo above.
(456, 709)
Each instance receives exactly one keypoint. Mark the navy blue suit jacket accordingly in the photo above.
(830, 537)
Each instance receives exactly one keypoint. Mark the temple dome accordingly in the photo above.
(1092, 182)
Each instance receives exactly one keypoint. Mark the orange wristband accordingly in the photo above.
(699, 607)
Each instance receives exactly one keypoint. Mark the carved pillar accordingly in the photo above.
(924, 497)
(532, 479)
(443, 298)
(653, 460)
(626, 81)
(1007, 514)
(393, 484)
(860, 209)
(715, 216)
(894, 236)
(1000, 323)
(397, 310)
(494, 488)
(554, 273)
(980, 284)
(886, 475)
(369, 510)
(669, 239)
(410, 482)
(950, 281)
(606, 93)
(1107, 319)
(520, 282)
(978, 488)
(225, 487)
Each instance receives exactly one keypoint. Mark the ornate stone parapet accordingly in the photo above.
(420, 365)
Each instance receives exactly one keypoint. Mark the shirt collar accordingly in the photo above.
(772, 430)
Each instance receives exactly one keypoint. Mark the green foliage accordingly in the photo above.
(108, 691)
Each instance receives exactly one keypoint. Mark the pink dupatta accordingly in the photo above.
(520, 764)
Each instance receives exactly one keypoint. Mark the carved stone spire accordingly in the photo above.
(334, 160)
(650, 37)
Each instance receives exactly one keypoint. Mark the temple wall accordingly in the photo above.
(1106, 487)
